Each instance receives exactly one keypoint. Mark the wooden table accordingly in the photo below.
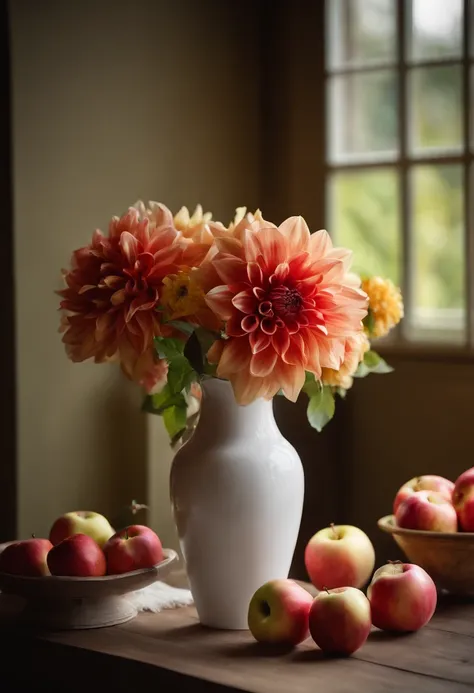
(172, 652)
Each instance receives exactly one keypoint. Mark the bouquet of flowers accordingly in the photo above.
(273, 309)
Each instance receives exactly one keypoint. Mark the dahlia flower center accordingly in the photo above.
(181, 295)
(284, 300)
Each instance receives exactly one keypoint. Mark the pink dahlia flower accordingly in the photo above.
(113, 289)
(289, 306)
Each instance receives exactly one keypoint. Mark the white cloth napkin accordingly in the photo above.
(159, 596)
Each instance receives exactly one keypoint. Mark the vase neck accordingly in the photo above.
(221, 414)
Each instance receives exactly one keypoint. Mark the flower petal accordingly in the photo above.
(291, 379)
(296, 231)
(245, 301)
(320, 243)
(233, 327)
(269, 243)
(254, 273)
(215, 352)
(129, 246)
(248, 324)
(268, 325)
(281, 341)
(219, 300)
(295, 354)
(235, 356)
(262, 362)
(230, 269)
(258, 341)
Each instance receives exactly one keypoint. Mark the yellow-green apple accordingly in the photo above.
(27, 557)
(133, 548)
(427, 510)
(78, 556)
(463, 499)
(87, 522)
(339, 556)
(339, 620)
(427, 482)
(402, 597)
(278, 613)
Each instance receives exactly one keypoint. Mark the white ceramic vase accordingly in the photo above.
(237, 490)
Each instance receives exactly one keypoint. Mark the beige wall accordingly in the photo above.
(112, 101)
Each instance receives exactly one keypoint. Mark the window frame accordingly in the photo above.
(402, 340)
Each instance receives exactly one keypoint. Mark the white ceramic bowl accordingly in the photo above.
(63, 603)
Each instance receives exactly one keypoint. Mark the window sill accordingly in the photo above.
(429, 352)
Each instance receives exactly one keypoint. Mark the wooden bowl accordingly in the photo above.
(65, 603)
(447, 557)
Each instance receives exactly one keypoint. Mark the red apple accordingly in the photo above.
(339, 556)
(427, 510)
(339, 620)
(78, 556)
(26, 557)
(132, 548)
(463, 499)
(402, 597)
(87, 522)
(427, 482)
(278, 613)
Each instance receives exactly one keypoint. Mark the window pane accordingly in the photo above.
(361, 31)
(436, 28)
(364, 213)
(436, 108)
(471, 76)
(471, 25)
(438, 249)
(362, 115)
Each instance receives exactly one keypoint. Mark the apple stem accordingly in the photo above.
(326, 590)
(126, 532)
(333, 527)
(33, 535)
(394, 562)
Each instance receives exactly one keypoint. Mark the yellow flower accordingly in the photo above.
(354, 351)
(193, 227)
(181, 295)
(385, 305)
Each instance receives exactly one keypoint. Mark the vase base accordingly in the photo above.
(216, 624)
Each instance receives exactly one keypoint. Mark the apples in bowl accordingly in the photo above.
(433, 524)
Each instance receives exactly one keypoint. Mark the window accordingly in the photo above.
(399, 81)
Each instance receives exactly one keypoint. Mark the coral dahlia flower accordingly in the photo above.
(354, 351)
(288, 305)
(113, 289)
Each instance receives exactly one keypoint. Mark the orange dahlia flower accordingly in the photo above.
(113, 290)
(288, 307)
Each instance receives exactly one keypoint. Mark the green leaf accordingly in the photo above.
(375, 363)
(156, 404)
(206, 339)
(362, 371)
(175, 420)
(312, 386)
(169, 347)
(369, 322)
(184, 327)
(321, 408)
(180, 374)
